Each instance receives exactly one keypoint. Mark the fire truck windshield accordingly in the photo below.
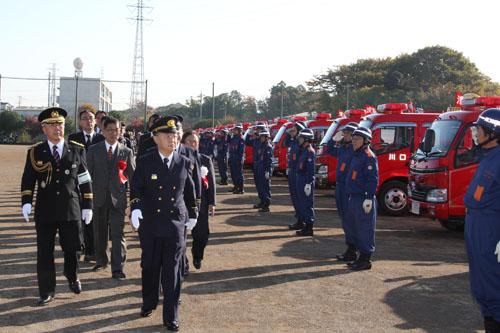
(366, 123)
(278, 135)
(329, 133)
(445, 131)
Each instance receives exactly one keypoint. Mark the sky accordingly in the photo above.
(247, 46)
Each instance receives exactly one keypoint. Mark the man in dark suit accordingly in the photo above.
(87, 137)
(98, 120)
(163, 197)
(110, 164)
(60, 170)
(201, 231)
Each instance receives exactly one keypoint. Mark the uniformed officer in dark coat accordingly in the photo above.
(87, 137)
(201, 231)
(263, 170)
(305, 181)
(291, 142)
(236, 150)
(162, 200)
(60, 170)
(361, 186)
(252, 140)
(482, 222)
(221, 148)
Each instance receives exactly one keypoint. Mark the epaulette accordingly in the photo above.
(78, 144)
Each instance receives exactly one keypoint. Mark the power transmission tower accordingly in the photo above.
(138, 84)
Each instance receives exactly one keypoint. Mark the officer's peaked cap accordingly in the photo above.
(364, 132)
(490, 119)
(52, 115)
(166, 124)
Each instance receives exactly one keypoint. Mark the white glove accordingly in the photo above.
(367, 205)
(27, 211)
(497, 251)
(191, 224)
(266, 174)
(134, 218)
(307, 189)
(87, 215)
(338, 136)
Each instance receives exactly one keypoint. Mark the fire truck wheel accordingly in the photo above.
(393, 198)
(452, 225)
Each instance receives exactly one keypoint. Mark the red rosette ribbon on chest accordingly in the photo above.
(122, 165)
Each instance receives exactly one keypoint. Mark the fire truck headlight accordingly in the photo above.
(437, 195)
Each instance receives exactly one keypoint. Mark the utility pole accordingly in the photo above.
(282, 101)
(201, 106)
(213, 104)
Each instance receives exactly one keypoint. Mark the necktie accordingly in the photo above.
(57, 157)
(165, 161)
(88, 138)
(110, 153)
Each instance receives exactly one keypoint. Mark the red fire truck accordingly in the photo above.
(326, 164)
(445, 162)
(280, 151)
(396, 132)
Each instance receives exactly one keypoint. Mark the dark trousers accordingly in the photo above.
(161, 255)
(109, 221)
(69, 239)
(88, 239)
(222, 164)
(200, 235)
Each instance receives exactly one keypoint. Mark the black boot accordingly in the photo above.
(296, 226)
(239, 190)
(233, 189)
(223, 182)
(362, 263)
(264, 208)
(259, 205)
(307, 230)
(349, 254)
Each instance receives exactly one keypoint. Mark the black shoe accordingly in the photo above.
(264, 209)
(75, 286)
(296, 226)
(88, 258)
(259, 205)
(232, 190)
(119, 275)
(44, 300)
(363, 263)
(146, 313)
(172, 326)
(307, 230)
(349, 255)
(223, 183)
(197, 263)
(99, 267)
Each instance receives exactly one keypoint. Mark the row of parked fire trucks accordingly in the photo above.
(426, 158)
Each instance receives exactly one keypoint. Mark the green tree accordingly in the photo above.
(10, 122)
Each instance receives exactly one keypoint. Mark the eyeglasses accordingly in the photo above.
(87, 118)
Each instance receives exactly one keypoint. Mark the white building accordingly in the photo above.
(90, 90)
(29, 111)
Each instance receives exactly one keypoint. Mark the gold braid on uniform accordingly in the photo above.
(42, 167)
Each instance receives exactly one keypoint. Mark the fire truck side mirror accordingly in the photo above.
(430, 136)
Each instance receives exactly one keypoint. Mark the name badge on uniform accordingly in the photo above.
(154, 176)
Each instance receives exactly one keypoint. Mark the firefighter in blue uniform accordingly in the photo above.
(221, 147)
(252, 140)
(236, 149)
(291, 142)
(341, 147)
(209, 145)
(482, 222)
(360, 186)
(305, 182)
(263, 170)
(163, 205)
